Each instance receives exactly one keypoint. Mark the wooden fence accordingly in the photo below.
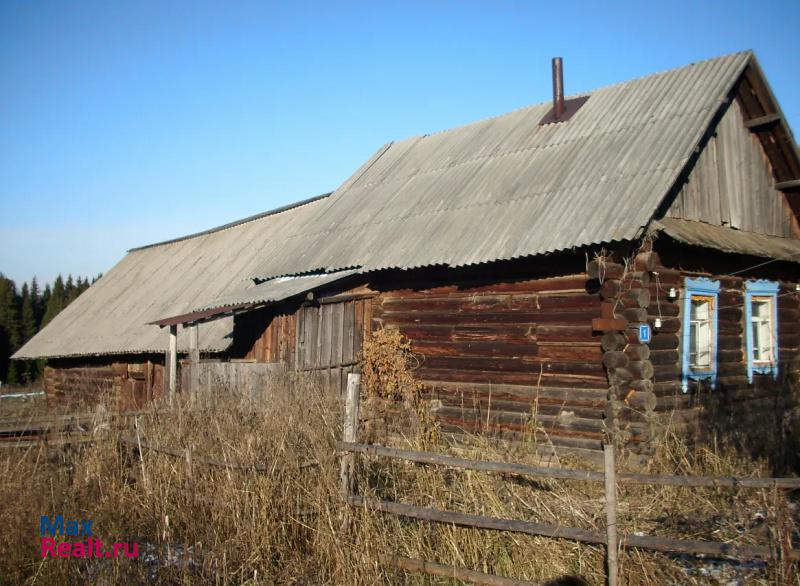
(60, 429)
(75, 428)
(349, 449)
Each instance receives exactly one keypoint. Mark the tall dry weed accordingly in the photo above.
(199, 524)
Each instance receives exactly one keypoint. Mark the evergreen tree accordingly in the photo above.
(23, 314)
(45, 299)
(28, 370)
(36, 298)
(28, 314)
(69, 291)
(13, 378)
(56, 301)
(9, 328)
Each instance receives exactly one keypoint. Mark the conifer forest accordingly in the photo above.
(23, 312)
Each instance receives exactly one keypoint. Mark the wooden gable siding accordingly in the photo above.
(732, 184)
(751, 415)
(507, 357)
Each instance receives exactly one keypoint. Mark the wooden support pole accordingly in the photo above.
(350, 433)
(612, 571)
(172, 362)
(189, 466)
(194, 358)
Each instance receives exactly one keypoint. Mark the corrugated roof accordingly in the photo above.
(507, 187)
(235, 223)
(497, 189)
(251, 294)
(729, 240)
(171, 278)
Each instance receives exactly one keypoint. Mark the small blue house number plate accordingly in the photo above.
(644, 333)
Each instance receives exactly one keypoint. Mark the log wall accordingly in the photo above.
(751, 416)
(507, 357)
(131, 383)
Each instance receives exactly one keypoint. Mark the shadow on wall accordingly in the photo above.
(761, 421)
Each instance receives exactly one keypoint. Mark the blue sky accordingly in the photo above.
(127, 123)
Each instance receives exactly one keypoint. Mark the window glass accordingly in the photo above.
(761, 312)
(700, 339)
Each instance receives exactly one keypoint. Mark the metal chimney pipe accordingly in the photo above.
(558, 88)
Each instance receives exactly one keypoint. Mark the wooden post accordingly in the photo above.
(172, 362)
(350, 433)
(189, 465)
(612, 572)
(194, 358)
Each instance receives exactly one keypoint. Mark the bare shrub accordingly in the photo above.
(391, 394)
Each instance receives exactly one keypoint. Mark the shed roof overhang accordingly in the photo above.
(256, 296)
(729, 239)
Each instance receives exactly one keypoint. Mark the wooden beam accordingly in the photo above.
(482, 465)
(350, 433)
(612, 561)
(600, 324)
(756, 123)
(786, 185)
(481, 521)
(562, 473)
(172, 361)
(665, 544)
(452, 572)
(194, 358)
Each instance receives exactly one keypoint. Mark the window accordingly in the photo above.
(761, 310)
(701, 342)
(700, 331)
(761, 328)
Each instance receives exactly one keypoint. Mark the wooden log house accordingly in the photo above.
(625, 259)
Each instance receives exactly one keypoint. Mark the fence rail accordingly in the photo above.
(350, 448)
(61, 429)
(192, 456)
(443, 571)
(564, 473)
(68, 429)
(662, 544)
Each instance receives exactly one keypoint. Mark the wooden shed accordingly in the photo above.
(626, 259)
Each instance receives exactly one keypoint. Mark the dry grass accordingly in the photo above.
(283, 526)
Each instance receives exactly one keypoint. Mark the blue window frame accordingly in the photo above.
(700, 305)
(761, 327)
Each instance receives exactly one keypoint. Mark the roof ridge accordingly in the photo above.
(577, 95)
(272, 212)
(492, 155)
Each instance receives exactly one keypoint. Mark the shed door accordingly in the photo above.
(329, 338)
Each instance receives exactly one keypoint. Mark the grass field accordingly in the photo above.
(199, 524)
